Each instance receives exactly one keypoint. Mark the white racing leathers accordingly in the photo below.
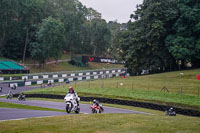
(72, 104)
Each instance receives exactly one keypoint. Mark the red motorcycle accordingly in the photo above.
(97, 109)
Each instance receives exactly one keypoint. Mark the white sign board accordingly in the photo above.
(24, 77)
(94, 73)
(80, 74)
(70, 79)
(35, 77)
(39, 82)
(60, 80)
(45, 76)
(79, 78)
(64, 75)
(55, 76)
(27, 83)
(88, 73)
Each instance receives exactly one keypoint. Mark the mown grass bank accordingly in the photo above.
(65, 66)
(182, 92)
(104, 123)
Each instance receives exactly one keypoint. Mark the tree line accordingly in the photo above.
(43, 29)
(163, 35)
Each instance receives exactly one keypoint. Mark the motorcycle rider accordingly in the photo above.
(171, 112)
(71, 91)
(22, 96)
(95, 102)
(10, 95)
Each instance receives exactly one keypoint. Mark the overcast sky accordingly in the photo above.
(113, 9)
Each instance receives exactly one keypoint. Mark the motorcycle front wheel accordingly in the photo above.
(68, 109)
(94, 111)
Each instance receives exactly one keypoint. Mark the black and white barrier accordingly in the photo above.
(60, 78)
(63, 74)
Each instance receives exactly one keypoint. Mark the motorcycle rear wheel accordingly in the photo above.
(77, 110)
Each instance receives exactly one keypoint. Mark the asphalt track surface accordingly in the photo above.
(6, 89)
(11, 114)
(17, 114)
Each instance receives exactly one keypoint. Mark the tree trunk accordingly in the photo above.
(2, 38)
(95, 49)
(26, 43)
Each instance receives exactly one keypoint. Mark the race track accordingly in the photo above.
(10, 114)
(6, 89)
(14, 114)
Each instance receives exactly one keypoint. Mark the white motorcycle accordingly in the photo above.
(71, 103)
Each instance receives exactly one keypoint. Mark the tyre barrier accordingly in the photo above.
(181, 111)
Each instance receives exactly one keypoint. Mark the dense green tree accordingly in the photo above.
(50, 40)
(20, 21)
(92, 14)
(30, 13)
(184, 42)
(100, 37)
(37, 53)
(114, 49)
(143, 44)
(72, 14)
(8, 11)
(17, 19)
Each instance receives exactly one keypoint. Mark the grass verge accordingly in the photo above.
(20, 106)
(184, 90)
(172, 99)
(104, 123)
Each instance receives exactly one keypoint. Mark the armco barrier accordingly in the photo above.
(187, 112)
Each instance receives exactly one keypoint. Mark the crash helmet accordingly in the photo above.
(94, 101)
(171, 109)
(71, 89)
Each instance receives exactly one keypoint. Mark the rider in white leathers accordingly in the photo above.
(71, 91)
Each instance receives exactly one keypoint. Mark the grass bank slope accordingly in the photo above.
(104, 123)
(182, 92)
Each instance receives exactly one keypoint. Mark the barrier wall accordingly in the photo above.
(41, 79)
(63, 74)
